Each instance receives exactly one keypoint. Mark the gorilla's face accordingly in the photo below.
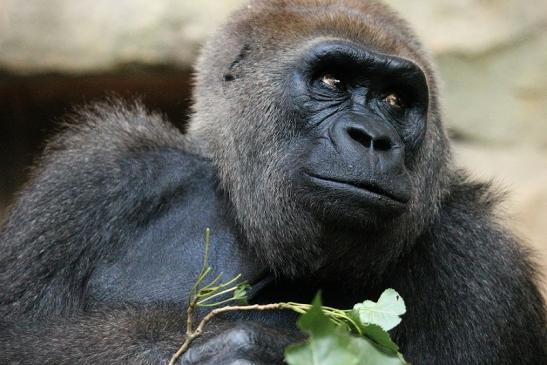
(359, 113)
(326, 136)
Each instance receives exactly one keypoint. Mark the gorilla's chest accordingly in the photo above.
(160, 263)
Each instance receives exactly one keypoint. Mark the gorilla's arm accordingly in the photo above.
(108, 337)
(133, 336)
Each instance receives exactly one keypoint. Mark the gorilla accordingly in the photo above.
(317, 156)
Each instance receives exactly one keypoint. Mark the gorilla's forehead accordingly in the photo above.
(284, 23)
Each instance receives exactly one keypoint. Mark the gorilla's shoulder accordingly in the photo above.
(472, 224)
(116, 125)
(118, 134)
(115, 155)
(476, 197)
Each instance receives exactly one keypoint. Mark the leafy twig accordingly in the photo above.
(365, 319)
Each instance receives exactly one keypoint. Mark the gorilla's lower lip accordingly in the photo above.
(362, 186)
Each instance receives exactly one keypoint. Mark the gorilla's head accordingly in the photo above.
(323, 123)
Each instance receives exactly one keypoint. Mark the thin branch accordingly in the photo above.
(191, 335)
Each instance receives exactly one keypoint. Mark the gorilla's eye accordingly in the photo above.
(394, 101)
(331, 81)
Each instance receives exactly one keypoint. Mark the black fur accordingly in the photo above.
(99, 251)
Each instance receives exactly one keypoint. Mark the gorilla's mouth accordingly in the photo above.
(369, 188)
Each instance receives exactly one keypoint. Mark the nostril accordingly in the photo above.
(382, 144)
(360, 136)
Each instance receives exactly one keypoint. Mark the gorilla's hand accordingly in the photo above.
(243, 343)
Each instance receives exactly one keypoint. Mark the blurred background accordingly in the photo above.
(491, 56)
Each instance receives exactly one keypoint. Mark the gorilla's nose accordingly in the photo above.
(377, 142)
(370, 137)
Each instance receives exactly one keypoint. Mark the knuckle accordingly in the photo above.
(242, 337)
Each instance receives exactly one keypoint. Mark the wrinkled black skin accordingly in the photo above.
(102, 246)
(353, 146)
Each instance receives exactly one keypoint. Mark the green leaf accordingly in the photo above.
(327, 345)
(385, 313)
(330, 344)
(368, 354)
(377, 335)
